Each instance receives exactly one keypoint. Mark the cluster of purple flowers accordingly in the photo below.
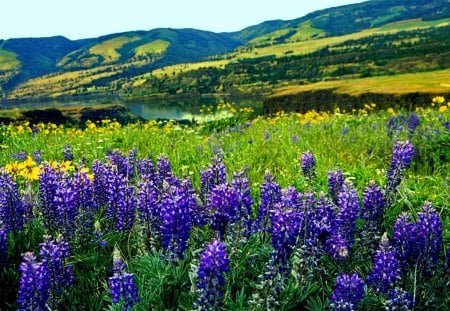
(399, 123)
(43, 284)
(386, 267)
(121, 284)
(214, 263)
(308, 165)
(420, 242)
(348, 292)
(402, 155)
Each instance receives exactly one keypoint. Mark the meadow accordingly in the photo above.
(348, 211)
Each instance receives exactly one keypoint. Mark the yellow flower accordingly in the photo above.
(13, 168)
(66, 166)
(438, 100)
(443, 109)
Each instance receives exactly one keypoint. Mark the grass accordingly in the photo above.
(434, 82)
(358, 144)
(8, 60)
(109, 49)
(154, 47)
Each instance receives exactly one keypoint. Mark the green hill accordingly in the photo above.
(372, 38)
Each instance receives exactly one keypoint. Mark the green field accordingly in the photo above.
(134, 158)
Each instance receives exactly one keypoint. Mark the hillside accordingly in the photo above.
(373, 38)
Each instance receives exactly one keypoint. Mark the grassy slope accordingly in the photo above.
(8, 60)
(428, 82)
(154, 47)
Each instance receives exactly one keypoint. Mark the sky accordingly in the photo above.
(77, 19)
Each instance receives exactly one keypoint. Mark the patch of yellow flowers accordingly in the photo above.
(30, 170)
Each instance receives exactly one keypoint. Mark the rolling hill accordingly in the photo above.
(372, 38)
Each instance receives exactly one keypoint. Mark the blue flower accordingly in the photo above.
(335, 183)
(308, 165)
(398, 299)
(348, 292)
(121, 284)
(214, 263)
(270, 195)
(386, 267)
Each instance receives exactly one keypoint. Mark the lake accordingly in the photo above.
(173, 108)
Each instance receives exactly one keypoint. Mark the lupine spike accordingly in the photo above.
(214, 263)
(308, 165)
(348, 292)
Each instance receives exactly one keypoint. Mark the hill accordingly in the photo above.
(373, 38)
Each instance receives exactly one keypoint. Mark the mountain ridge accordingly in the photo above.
(114, 61)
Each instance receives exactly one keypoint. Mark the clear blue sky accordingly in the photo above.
(77, 19)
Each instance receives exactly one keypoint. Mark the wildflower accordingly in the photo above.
(67, 153)
(175, 220)
(348, 212)
(37, 156)
(372, 212)
(241, 187)
(53, 254)
(148, 209)
(429, 236)
(386, 270)
(405, 237)
(266, 135)
(337, 247)
(284, 231)
(413, 123)
(121, 202)
(335, 183)
(11, 207)
(34, 284)
(348, 292)
(223, 204)
(21, 156)
(214, 263)
(121, 284)
(398, 299)
(402, 154)
(308, 165)
(270, 195)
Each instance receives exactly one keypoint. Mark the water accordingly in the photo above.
(178, 109)
(187, 109)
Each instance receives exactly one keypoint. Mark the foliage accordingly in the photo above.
(119, 160)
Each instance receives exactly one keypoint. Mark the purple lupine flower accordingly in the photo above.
(241, 187)
(37, 156)
(324, 219)
(447, 125)
(348, 212)
(372, 212)
(429, 236)
(164, 172)
(398, 299)
(12, 212)
(49, 179)
(101, 175)
(395, 125)
(270, 195)
(121, 203)
(67, 153)
(405, 238)
(121, 284)
(65, 200)
(402, 154)
(53, 255)
(214, 263)
(348, 292)
(123, 164)
(21, 156)
(148, 209)
(145, 169)
(373, 203)
(266, 135)
(223, 204)
(386, 267)
(308, 164)
(345, 131)
(214, 175)
(34, 284)
(284, 231)
(413, 123)
(4, 232)
(337, 247)
(86, 205)
(335, 183)
(294, 138)
(175, 220)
